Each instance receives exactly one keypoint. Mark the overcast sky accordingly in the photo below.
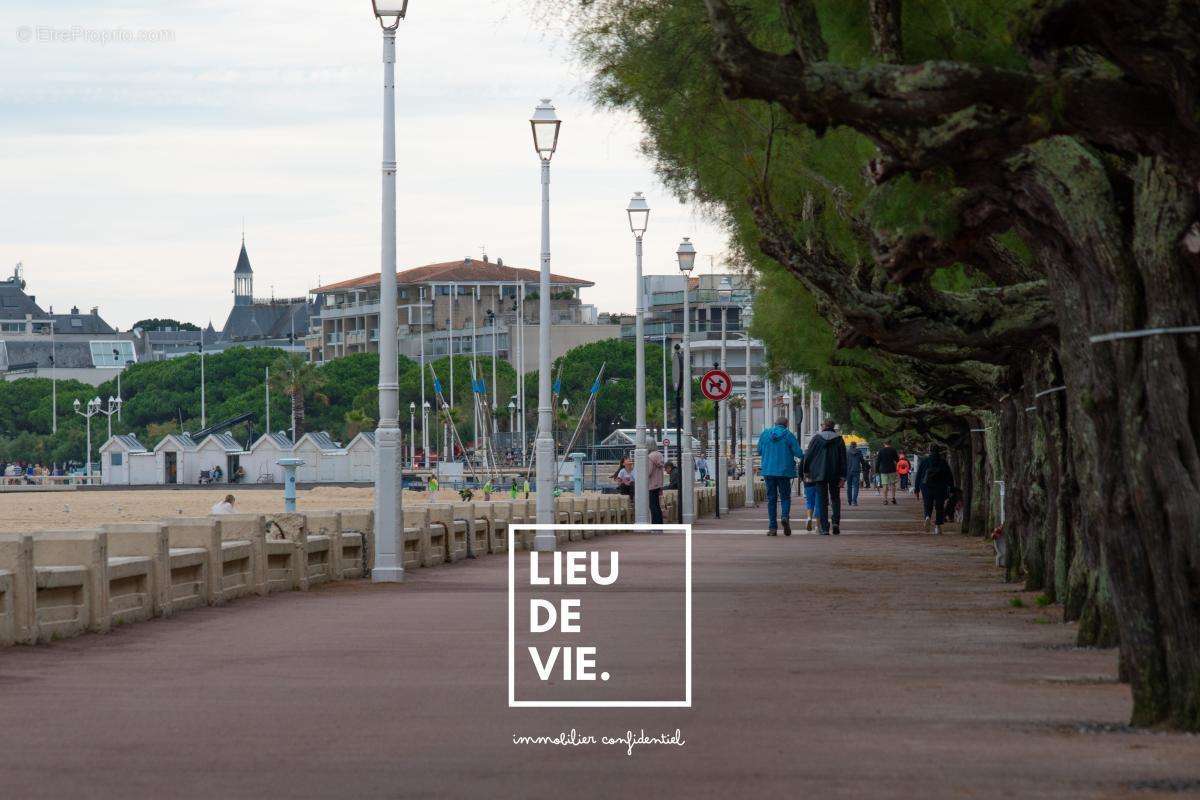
(128, 166)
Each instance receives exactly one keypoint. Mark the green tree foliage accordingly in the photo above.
(156, 324)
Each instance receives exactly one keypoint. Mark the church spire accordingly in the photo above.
(243, 278)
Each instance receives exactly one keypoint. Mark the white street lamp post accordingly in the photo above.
(545, 125)
(53, 379)
(93, 408)
(686, 255)
(203, 404)
(389, 514)
(749, 480)
(114, 407)
(412, 434)
(639, 218)
(724, 294)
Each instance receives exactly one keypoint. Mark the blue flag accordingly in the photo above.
(437, 386)
(596, 386)
(558, 386)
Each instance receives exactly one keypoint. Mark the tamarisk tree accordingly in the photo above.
(953, 204)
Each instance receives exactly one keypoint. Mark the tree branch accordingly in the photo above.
(885, 30)
(942, 113)
(800, 18)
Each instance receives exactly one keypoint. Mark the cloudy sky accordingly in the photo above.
(135, 135)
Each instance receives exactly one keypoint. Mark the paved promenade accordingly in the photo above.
(881, 663)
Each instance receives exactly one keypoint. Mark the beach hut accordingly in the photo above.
(361, 455)
(115, 467)
(220, 450)
(324, 459)
(175, 461)
(260, 463)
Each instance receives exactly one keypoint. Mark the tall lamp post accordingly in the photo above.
(425, 431)
(686, 254)
(93, 408)
(639, 218)
(724, 295)
(749, 481)
(389, 515)
(545, 125)
(412, 433)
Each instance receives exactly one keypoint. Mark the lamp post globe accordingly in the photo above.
(389, 513)
(686, 255)
(545, 126)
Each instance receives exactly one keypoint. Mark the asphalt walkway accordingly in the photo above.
(881, 663)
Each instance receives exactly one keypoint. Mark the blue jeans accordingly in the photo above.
(852, 488)
(778, 488)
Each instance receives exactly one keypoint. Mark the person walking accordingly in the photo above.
(936, 480)
(224, 506)
(825, 466)
(654, 483)
(855, 466)
(903, 467)
(778, 450)
(885, 468)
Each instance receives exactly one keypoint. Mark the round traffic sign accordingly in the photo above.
(716, 385)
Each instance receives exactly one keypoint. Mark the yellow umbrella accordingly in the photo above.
(850, 438)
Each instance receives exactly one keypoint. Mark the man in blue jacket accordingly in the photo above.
(778, 451)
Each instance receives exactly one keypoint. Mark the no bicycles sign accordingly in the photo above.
(716, 385)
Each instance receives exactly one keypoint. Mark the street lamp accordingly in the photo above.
(512, 407)
(93, 408)
(724, 296)
(114, 407)
(545, 125)
(412, 433)
(389, 513)
(686, 255)
(749, 461)
(639, 219)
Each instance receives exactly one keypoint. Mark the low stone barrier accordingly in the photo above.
(55, 584)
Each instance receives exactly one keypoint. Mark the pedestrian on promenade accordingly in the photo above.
(885, 467)
(654, 483)
(856, 464)
(825, 465)
(936, 481)
(623, 477)
(902, 469)
(702, 468)
(777, 452)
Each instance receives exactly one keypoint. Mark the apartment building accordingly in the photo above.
(454, 307)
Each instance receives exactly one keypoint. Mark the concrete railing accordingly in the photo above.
(55, 584)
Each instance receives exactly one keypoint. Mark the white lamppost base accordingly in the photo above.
(391, 574)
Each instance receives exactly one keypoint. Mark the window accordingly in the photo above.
(116, 459)
(76, 322)
(444, 291)
(464, 290)
(404, 293)
(103, 355)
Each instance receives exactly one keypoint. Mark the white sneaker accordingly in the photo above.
(937, 530)
(927, 524)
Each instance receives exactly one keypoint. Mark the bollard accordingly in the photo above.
(577, 479)
(289, 482)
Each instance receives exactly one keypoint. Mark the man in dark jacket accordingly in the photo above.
(936, 480)
(825, 466)
(885, 466)
(855, 464)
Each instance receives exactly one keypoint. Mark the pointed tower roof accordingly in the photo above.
(243, 265)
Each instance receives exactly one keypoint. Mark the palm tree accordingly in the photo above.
(293, 375)
(356, 423)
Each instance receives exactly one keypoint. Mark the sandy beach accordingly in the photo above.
(34, 511)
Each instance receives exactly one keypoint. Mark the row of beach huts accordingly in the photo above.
(179, 459)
